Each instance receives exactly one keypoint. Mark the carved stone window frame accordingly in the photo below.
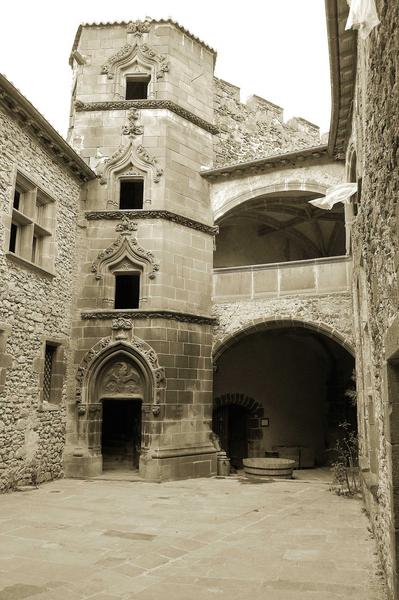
(125, 256)
(135, 60)
(128, 162)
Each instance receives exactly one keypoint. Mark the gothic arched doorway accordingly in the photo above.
(120, 390)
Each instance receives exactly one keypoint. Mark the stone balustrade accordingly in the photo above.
(316, 276)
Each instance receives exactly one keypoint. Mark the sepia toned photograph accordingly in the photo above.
(199, 300)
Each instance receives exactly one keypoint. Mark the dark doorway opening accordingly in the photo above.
(121, 434)
(230, 423)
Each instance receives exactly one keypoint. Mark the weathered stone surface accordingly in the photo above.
(256, 129)
(375, 249)
(33, 308)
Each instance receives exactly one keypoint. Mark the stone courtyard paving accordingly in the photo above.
(196, 539)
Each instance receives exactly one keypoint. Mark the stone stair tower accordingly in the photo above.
(142, 117)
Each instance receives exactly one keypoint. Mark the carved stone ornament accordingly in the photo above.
(121, 378)
(126, 225)
(133, 129)
(122, 375)
(149, 103)
(120, 323)
(139, 27)
(153, 214)
(130, 53)
(135, 156)
(169, 315)
(125, 248)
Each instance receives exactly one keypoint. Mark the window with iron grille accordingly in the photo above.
(48, 371)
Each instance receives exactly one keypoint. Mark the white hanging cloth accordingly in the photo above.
(362, 16)
(337, 193)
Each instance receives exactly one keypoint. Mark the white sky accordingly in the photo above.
(276, 49)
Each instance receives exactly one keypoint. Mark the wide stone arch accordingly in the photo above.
(229, 192)
(269, 323)
(251, 194)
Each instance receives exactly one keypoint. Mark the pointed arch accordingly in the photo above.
(141, 355)
(123, 254)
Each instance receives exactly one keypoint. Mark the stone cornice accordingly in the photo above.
(342, 45)
(259, 165)
(144, 28)
(151, 214)
(148, 104)
(30, 118)
(135, 314)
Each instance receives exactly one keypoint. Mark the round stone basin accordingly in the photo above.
(269, 467)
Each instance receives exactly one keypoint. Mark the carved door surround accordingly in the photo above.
(117, 369)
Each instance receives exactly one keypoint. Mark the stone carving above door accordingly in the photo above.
(121, 379)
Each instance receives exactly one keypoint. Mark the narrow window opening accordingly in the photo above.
(48, 371)
(13, 237)
(127, 291)
(17, 199)
(131, 194)
(34, 249)
(137, 89)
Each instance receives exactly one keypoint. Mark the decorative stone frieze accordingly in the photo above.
(148, 104)
(135, 314)
(153, 214)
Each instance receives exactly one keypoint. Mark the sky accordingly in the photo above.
(276, 49)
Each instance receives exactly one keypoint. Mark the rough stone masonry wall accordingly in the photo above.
(375, 237)
(256, 129)
(33, 308)
(332, 312)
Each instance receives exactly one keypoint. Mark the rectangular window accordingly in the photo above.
(127, 291)
(131, 194)
(137, 88)
(48, 371)
(32, 223)
(13, 237)
(17, 199)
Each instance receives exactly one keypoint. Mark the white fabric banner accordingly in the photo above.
(362, 16)
(338, 193)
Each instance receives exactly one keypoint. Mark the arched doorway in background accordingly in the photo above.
(299, 376)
